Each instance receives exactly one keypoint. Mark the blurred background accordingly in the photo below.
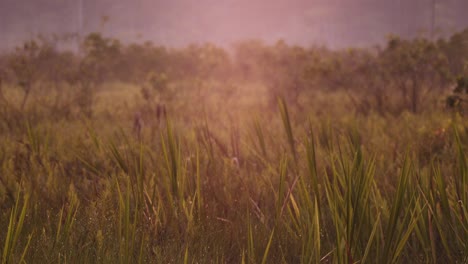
(334, 23)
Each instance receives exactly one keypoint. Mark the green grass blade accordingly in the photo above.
(287, 126)
(267, 249)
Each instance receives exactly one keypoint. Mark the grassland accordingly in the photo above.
(227, 178)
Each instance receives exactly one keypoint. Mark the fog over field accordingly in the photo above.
(234, 131)
(336, 23)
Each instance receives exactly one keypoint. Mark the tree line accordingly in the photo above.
(400, 76)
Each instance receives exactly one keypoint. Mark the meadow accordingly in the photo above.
(144, 154)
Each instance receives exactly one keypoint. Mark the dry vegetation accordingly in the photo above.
(268, 154)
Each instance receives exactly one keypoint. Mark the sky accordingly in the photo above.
(335, 23)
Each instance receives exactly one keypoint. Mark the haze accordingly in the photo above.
(335, 23)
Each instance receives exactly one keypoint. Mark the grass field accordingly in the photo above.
(228, 178)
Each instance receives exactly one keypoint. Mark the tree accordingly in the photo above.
(415, 68)
(456, 50)
(100, 57)
(25, 64)
(98, 65)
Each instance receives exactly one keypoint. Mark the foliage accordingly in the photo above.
(415, 67)
(227, 176)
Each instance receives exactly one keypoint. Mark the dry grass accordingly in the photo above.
(232, 181)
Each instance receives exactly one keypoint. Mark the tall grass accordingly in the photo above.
(15, 228)
(268, 191)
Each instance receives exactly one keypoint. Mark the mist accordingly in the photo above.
(334, 23)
